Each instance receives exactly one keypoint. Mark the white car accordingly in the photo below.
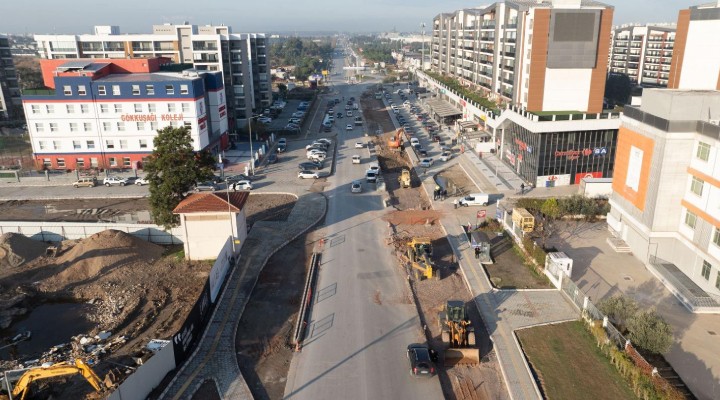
(446, 156)
(414, 142)
(323, 140)
(308, 175)
(426, 162)
(314, 152)
(356, 187)
(265, 120)
(356, 159)
(348, 127)
(316, 145)
(282, 141)
(349, 113)
(374, 168)
(142, 181)
(359, 145)
(475, 199)
(242, 185)
(298, 114)
(115, 180)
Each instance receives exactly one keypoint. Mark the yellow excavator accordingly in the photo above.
(418, 248)
(22, 386)
(424, 268)
(457, 334)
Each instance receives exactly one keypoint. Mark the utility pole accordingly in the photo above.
(422, 56)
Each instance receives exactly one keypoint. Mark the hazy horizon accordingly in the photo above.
(134, 16)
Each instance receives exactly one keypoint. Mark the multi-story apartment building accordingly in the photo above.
(696, 59)
(9, 88)
(242, 58)
(666, 200)
(643, 53)
(545, 55)
(545, 63)
(105, 113)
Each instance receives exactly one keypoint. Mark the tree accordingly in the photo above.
(172, 170)
(550, 211)
(619, 309)
(282, 90)
(650, 332)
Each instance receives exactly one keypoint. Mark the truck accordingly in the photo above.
(358, 120)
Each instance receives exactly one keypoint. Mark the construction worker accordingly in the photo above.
(455, 203)
(522, 188)
(477, 252)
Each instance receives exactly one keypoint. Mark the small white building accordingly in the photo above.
(208, 219)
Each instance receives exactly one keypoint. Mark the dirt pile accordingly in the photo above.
(16, 249)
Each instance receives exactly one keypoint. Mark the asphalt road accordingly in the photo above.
(361, 322)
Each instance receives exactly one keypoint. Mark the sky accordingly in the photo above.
(138, 16)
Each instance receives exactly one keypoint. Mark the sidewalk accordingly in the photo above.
(214, 357)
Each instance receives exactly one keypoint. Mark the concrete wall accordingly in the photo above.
(141, 382)
(702, 56)
(57, 231)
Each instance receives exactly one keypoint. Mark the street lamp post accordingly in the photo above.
(422, 56)
(232, 231)
(252, 155)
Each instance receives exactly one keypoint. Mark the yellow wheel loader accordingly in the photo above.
(458, 334)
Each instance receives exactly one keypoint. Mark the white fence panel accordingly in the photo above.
(57, 231)
(146, 378)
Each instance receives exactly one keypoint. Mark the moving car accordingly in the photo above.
(242, 185)
(349, 113)
(356, 187)
(374, 167)
(446, 155)
(85, 182)
(426, 162)
(356, 159)
(305, 166)
(475, 199)
(324, 140)
(115, 180)
(359, 145)
(237, 178)
(371, 176)
(282, 141)
(206, 186)
(308, 175)
(414, 142)
(422, 360)
(348, 127)
(142, 181)
(315, 151)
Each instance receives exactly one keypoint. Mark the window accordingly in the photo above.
(113, 162)
(169, 89)
(73, 127)
(87, 126)
(70, 108)
(56, 145)
(143, 143)
(67, 90)
(81, 90)
(107, 127)
(188, 125)
(121, 127)
(116, 90)
(84, 108)
(152, 107)
(150, 89)
(80, 162)
(41, 145)
(185, 107)
(118, 108)
(706, 270)
(716, 237)
(47, 163)
(123, 144)
(140, 126)
(690, 219)
(101, 90)
(61, 163)
(136, 90)
(53, 127)
(109, 144)
(90, 145)
(703, 151)
(154, 126)
(202, 107)
(93, 162)
(39, 127)
(104, 108)
(183, 89)
(76, 145)
(171, 107)
(138, 107)
(126, 162)
(49, 108)
(35, 109)
(696, 186)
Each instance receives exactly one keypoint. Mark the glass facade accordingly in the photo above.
(558, 158)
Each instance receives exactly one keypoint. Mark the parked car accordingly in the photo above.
(115, 180)
(242, 185)
(356, 187)
(237, 178)
(426, 162)
(371, 176)
(414, 142)
(264, 120)
(208, 186)
(316, 165)
(348, 127)
(282, 141)
(281, 148)
(324, 140)
(142, 181)
(315, 151)
(422, 360)
(308, 175)
(85, 182)
(446, 155)
(475, 199)
(272, 158)
(294, 120)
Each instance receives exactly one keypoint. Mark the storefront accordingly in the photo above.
(558, 158)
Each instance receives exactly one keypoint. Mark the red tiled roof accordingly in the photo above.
(212, 202)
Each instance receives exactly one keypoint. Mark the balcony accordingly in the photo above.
(112, 46)
(206, 58)
(205, 46)
(509, 54)
(488, 25)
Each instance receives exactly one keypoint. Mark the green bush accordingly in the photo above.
(650, 332)
(456, 87)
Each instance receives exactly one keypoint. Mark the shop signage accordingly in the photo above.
(522, 146)
(580, 176)
(553, 180)
(150, 117)
(574, 154)
(600, 151)
(510, 157)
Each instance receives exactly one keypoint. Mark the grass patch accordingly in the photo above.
(510, 270)
(568, 365)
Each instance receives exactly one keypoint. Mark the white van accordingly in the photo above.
(475, 199)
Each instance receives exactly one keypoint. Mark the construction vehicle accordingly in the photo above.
(419, 247)
(404, 178)
(458, 334)
(22, 386)
(424, 268)
(396, 139)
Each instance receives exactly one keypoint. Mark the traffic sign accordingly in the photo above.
(481, 214)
